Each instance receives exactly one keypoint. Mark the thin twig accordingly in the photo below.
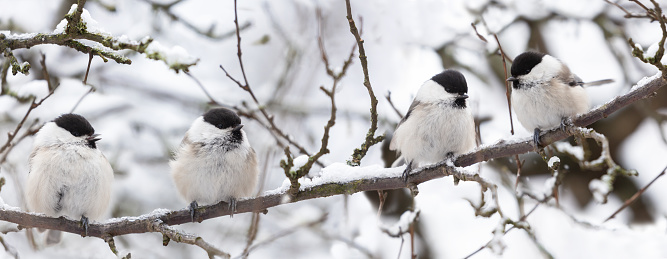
(284, 233)
(371, 139)
(85, 82)
(523, 218)
(388, 97)
(178, 236)
(635, 196)
(33, 105)
(246, 86)
(210, 98)
(303, 170)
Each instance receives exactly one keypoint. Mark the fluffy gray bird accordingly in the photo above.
(545, 92)
(438, 124)
(215, 161)
(68, 175)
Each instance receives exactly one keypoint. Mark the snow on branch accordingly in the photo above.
(353, 180)
(79, 25)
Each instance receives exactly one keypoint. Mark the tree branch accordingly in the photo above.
(371, 139)
(391, 179)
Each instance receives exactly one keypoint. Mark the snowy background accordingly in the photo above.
(142, 111)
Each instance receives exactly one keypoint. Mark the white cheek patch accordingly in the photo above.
(202, 131)
(545, 70)
(432, 92)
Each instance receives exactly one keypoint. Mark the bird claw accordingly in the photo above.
(193, 210)
(84, 223)
(565, 124)
(232, 206)
(406, 172)
(536, 139)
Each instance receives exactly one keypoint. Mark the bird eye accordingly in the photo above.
(527, 71)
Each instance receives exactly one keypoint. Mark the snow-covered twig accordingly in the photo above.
(79, 25)
(602, 187)
(654, 14)
(371, 139)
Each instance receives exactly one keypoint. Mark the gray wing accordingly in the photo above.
(414, 104)
(575, 80)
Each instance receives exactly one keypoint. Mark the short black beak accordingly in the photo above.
(93, 138)
(238, 127)
(512, 79)
(462, 97)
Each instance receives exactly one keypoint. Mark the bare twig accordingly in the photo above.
(252, 233)
(85, 82)
(170, 233)
(303, 170)
(8, 248)
(371, 139)
(522, 219)
(166, 9)
(284, 233)
(210, 97)
(388, 97)
(4, 150)
(636, 195)
(246, 86)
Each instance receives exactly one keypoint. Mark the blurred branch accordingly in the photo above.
(112, 245)
(166, 9)
(391, 103)
(7, 147)
(336, 77)
(394, 180)
(170, 233)
(636, 195)
(371, 140)
(654, 14)
(246, 86)
(284, 233)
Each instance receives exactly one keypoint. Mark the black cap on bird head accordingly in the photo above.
(222, 118)
(76, 124)
(525, 62)
(453, 81)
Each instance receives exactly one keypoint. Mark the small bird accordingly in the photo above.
(545, 93)
(68, 175)
(438, 124)
(215, 161)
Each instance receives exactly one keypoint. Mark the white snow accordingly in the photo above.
(552, 161)
(645, 80)
(92, 25)
(576, 151)
(600, 188)
(341, 173)
(549, 185)
(403, 224)
(172, 56)
(300, 161)
(37, 88)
